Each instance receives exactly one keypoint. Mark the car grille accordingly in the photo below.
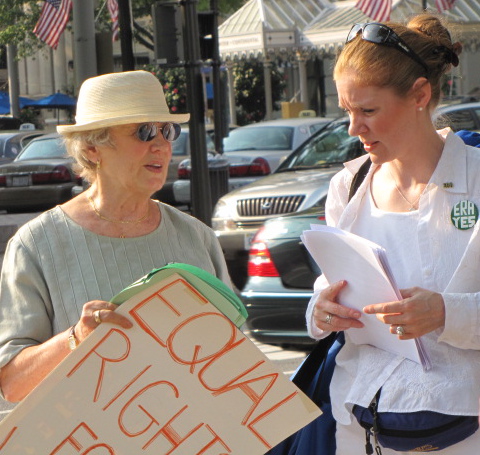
(264, 206)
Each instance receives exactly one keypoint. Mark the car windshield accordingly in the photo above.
(259, 138)
(45, 148)
(331, 146)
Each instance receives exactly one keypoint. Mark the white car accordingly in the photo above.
(254, 151)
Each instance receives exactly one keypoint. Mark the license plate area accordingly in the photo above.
(248, 241)
(19, 180)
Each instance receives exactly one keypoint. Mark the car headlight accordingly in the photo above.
(222, 217)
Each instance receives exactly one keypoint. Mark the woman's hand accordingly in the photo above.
(96, 312)
(330, 316)
(420, 312)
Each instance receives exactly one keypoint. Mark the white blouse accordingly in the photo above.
(445, 259)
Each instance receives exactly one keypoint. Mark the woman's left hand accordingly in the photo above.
(420, 312)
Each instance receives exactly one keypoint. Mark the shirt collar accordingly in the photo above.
(451, 171)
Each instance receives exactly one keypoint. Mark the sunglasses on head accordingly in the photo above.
(149, 131)
(377, 33)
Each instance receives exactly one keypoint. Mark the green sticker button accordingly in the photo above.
(464, 215)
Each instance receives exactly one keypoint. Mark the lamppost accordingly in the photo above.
(200, 178)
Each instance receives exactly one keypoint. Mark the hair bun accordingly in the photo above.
(450, 55)
(455, 52)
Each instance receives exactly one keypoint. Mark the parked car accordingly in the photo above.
(254, 151)
(12, 143)
(180, 151)
(39, 178)
(299, 183)
(281, 274)
(463, 116)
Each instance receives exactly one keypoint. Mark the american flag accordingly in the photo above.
(378, 10)
(53, 20)
(444, 5)
(112, 6)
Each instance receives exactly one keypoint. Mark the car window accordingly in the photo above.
(315, 127)
(331, 145)
(462, 119)
(259, 138)
(477, 113)
(12, 147)
(179, 147)
(210, 143)
(3, 142)
(45, 148)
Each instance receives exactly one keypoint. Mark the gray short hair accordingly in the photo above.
(77, 145)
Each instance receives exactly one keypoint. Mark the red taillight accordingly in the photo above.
(59, 174)
(3, 180)
(260, 262)
(259, 166)
(183, 171)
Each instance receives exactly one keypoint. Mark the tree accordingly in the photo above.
(249, 84)
(174, 82)
(17, 21)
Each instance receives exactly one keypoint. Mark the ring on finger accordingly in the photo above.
(400, 330)
(96, 316)
(328, 319)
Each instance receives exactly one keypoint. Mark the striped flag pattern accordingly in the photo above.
(444, 5)
(53, 20)
(378, 10)
(112, 6)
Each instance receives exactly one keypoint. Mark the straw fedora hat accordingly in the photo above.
(121, 98)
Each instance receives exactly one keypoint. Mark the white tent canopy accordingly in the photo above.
(298, 30)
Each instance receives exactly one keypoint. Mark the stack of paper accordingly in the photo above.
(363, 264)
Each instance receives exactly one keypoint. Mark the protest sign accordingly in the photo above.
(183, 380)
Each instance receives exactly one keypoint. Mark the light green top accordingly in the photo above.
(53, 266)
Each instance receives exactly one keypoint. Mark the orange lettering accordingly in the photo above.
(105, 359)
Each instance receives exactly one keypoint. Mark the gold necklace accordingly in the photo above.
(411, 204)
(97, 212)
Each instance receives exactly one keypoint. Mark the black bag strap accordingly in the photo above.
(306, 372)
(359, 177)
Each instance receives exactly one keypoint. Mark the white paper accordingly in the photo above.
(363, 264)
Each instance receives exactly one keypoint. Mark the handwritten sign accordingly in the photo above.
(183, 380)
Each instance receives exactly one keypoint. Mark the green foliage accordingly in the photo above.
(174, 84)
(17, 21)
(30, 115)
(249, 87)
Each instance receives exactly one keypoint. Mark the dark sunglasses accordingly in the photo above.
(149, 131)
(377, 33)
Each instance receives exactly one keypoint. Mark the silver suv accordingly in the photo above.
(299, 183)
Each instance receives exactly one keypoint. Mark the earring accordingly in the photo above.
(98, 165)
(419, 108)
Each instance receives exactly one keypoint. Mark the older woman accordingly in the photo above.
(420, 201)
(61, 269)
